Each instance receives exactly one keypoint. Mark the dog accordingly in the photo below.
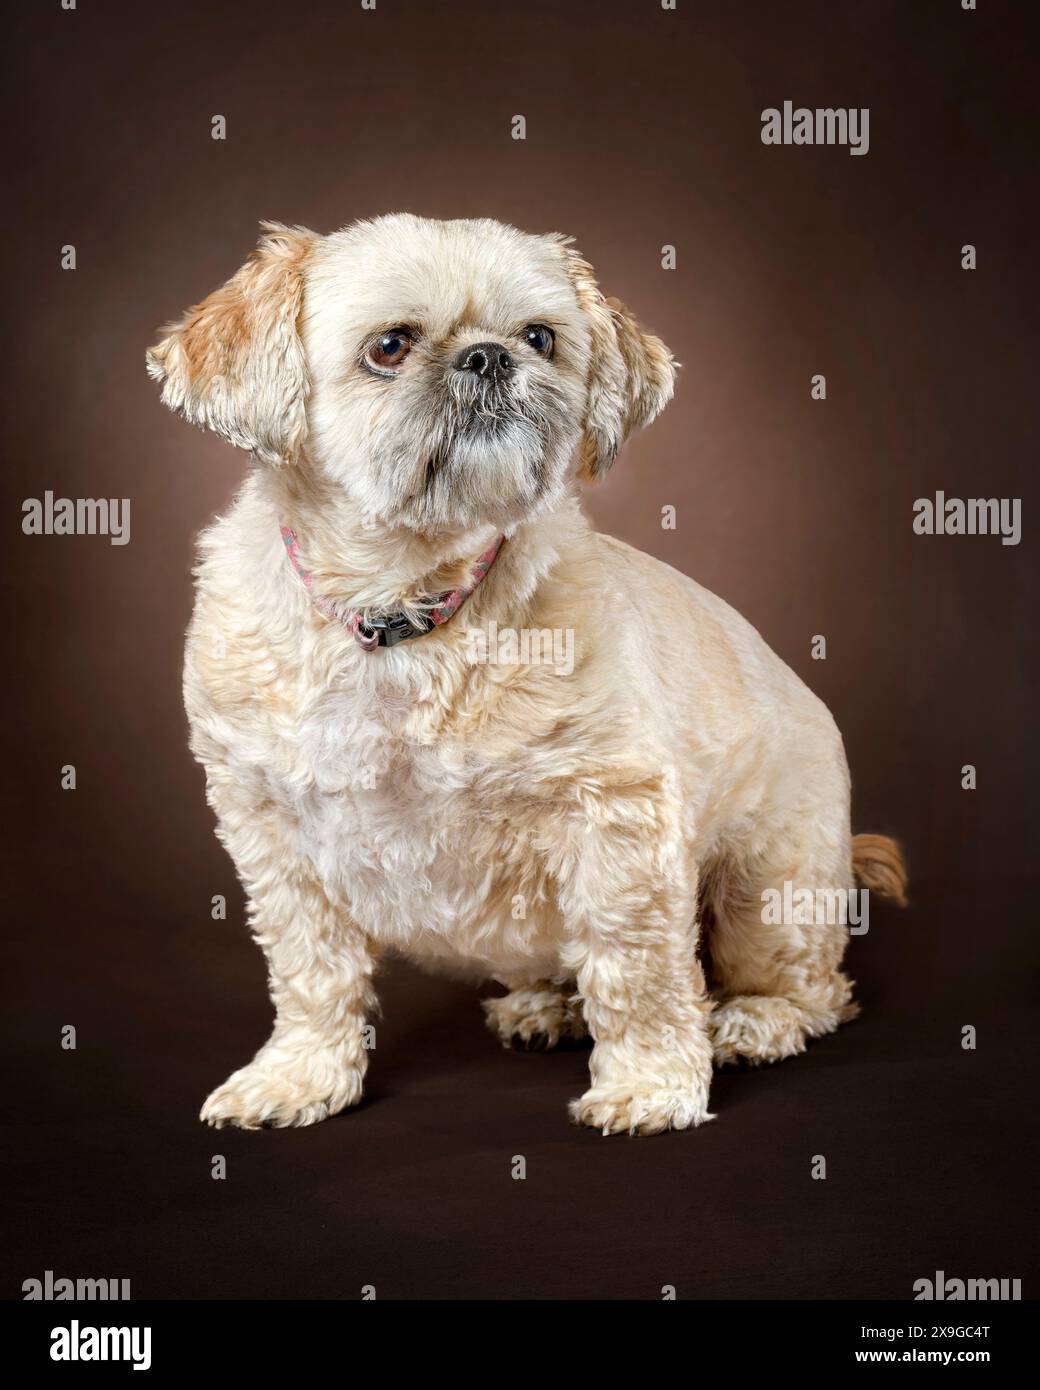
(421, 399)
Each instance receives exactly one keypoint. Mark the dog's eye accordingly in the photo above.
(389, 351)
(539, 337)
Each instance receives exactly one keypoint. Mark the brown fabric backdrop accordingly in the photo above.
(642, 130)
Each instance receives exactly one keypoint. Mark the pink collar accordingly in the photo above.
(395, 627)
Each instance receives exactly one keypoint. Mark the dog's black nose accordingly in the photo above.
(487, 360)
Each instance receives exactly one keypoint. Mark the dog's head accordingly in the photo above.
(443, 373)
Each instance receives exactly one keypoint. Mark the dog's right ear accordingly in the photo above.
(235, 363)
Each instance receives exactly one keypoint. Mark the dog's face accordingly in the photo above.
(448, 364)
(442, 373)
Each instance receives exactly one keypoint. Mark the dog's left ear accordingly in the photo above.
(631, 373)
(235, 363)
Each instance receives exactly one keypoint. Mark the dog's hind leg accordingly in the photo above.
(775, 959)
(775, 967)
(535, 1016)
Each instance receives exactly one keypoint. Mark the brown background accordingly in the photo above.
(643, 129)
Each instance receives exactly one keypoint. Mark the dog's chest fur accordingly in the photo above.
(425, 791)
(420, 834)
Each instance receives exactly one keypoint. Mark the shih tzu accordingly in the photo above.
(420, 398)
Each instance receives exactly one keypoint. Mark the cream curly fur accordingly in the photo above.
(561, 835)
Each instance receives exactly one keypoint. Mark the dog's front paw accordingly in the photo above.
(641, 1107)
(261, 1094)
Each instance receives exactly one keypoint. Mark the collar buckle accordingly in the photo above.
(395, 627)
(390, 630)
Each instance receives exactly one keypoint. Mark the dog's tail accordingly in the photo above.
(877, 862)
